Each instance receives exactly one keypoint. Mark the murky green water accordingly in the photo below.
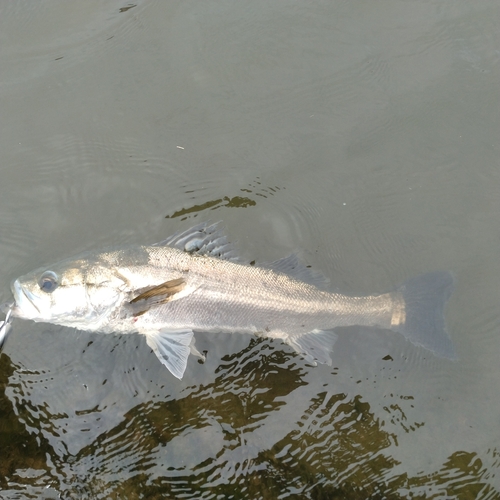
(362, 136)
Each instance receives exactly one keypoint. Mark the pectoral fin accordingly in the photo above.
(163, 292)
(160, 294)
(315, 345)
(172, 348)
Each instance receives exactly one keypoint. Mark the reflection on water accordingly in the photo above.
(255, 431)
(236, 201)
(23, 460)
(226, 201)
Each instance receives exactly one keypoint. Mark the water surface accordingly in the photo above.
(362, 136)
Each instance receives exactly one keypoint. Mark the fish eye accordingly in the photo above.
(48, 281)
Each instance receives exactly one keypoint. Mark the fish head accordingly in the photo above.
(78, 293)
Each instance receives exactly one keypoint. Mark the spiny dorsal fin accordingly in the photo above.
(203, 239)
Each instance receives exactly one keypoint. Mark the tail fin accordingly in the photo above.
(425, 297)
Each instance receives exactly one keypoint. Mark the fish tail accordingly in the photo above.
(424, 300)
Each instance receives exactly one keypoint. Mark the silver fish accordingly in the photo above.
(194, 281)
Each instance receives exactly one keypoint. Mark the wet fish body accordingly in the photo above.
(195, 282)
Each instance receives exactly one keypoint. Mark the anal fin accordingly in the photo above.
(315, 345)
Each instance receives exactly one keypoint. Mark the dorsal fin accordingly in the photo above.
(292, 266)
(203, 239)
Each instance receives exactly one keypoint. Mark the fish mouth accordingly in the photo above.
(25, 302)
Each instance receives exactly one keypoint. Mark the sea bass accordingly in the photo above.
(195, 282)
